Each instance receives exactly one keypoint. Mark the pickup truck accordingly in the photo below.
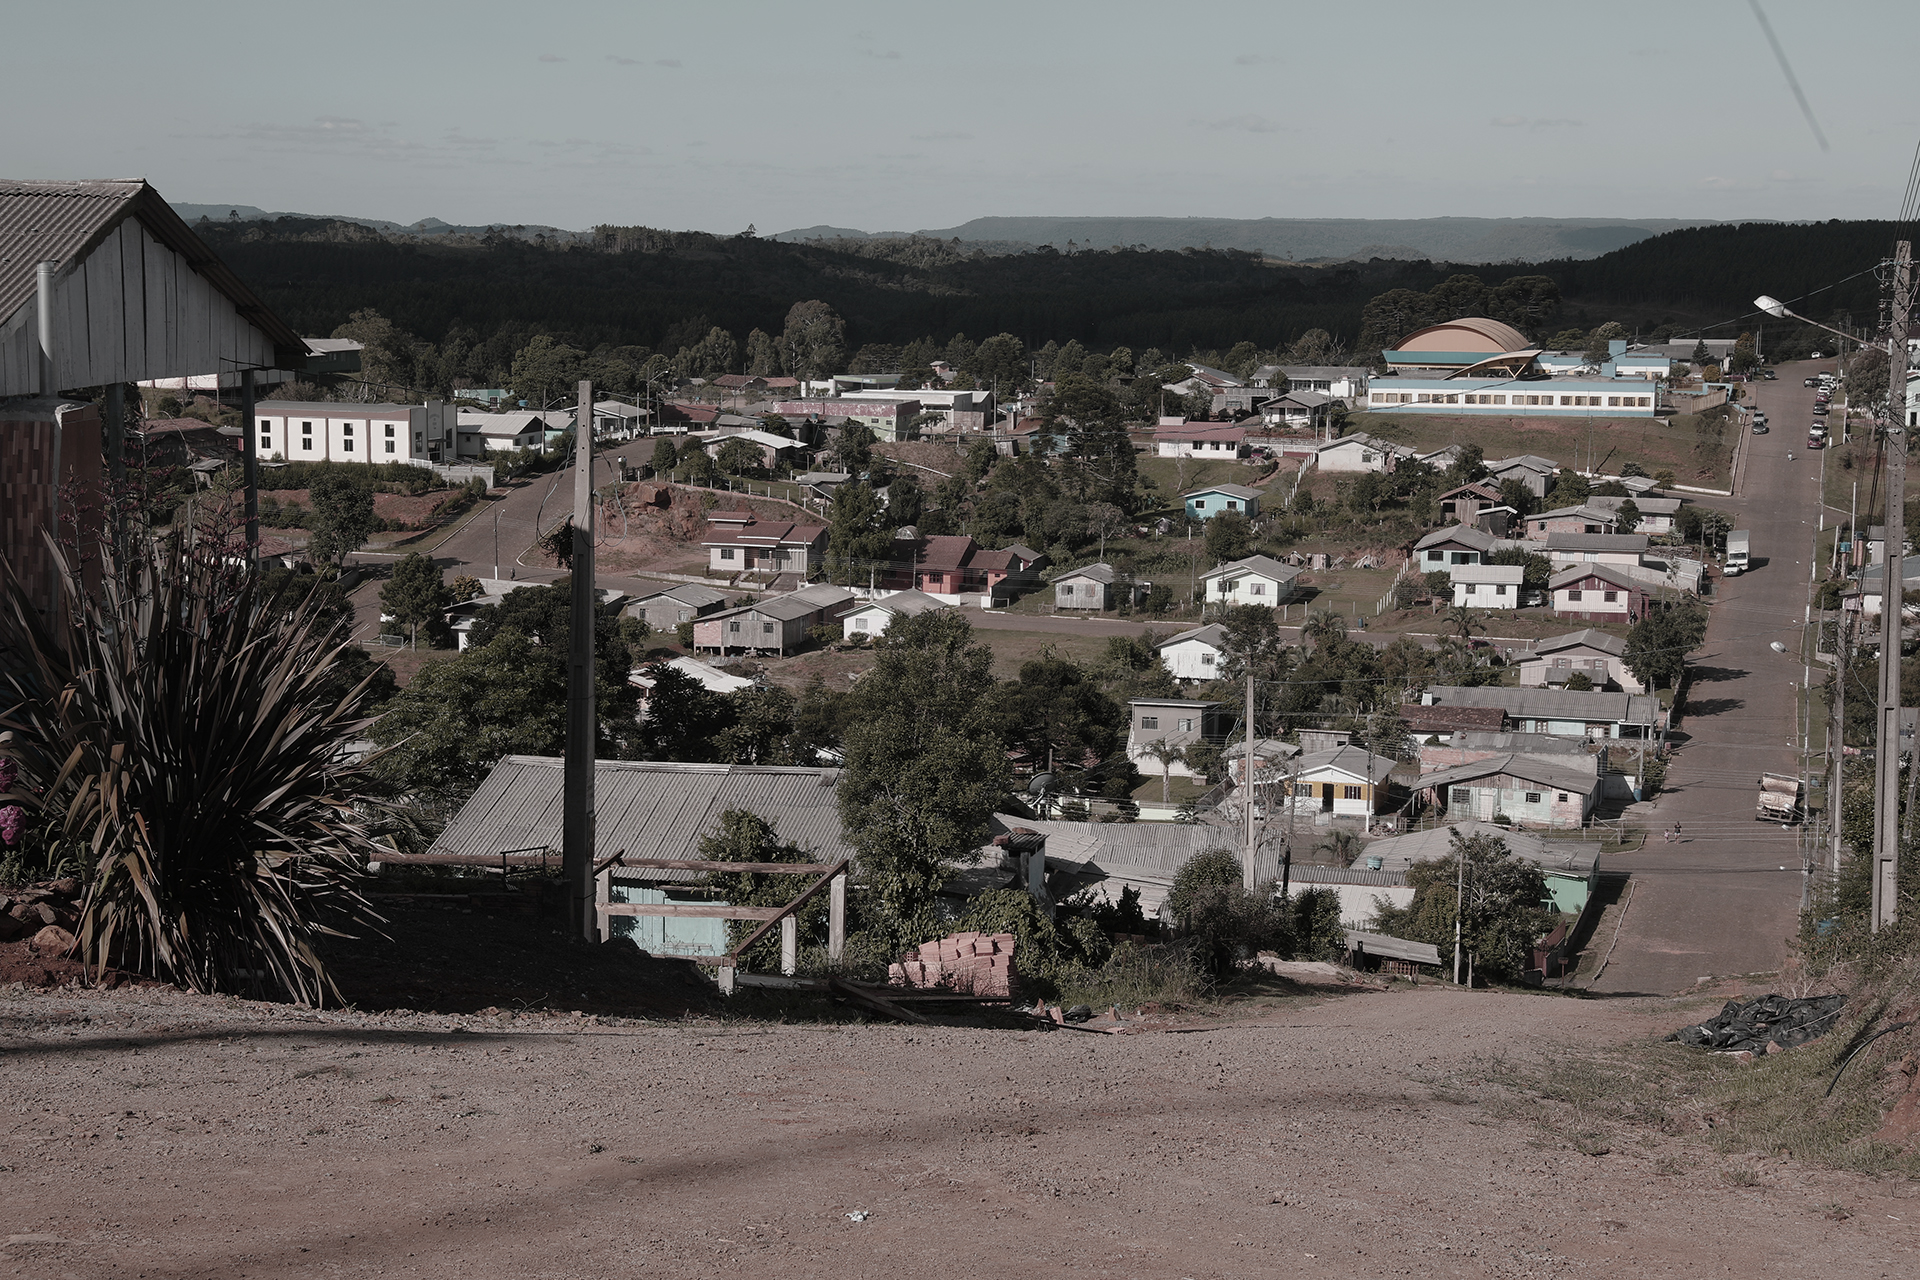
(1779, 799)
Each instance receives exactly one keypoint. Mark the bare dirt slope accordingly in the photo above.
(153, 1134)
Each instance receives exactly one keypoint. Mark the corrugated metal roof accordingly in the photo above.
(64, 221)
(1571, 857)
(649, 809)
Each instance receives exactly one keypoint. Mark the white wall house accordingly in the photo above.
(1254, 580)
(483, 433)
(340, 432)
(1487, 586)
(1195, 654)
(875, 616)
(1356, 453)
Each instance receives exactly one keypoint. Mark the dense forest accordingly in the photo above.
(642, 290)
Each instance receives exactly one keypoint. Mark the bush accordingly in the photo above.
(1168, 976)
(1226, 924)
(1046, 950)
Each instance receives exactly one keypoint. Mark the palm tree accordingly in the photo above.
(1324, 627)
(1463, 620)
(1339, 845)
(1167, 754)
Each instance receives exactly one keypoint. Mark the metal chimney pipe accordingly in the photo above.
(43, 281)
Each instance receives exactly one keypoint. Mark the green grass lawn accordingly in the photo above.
(1604, 444)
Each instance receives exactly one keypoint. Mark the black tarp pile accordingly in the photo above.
(1765, 1021)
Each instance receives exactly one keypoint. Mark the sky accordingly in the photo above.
(904, 116)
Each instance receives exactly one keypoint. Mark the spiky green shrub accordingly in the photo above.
(184, 737)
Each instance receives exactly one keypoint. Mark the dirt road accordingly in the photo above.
(159, 1135)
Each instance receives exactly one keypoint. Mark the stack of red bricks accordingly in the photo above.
(974, 964)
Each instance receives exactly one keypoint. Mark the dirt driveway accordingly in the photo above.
(153, 1134)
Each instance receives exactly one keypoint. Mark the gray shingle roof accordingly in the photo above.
(1091, 572)
(1265, 566)
(1212, 633)
(648, 809)
(1239, 491)
(1597, 541)
(1551, 704)
(1554, 774)
(1466, 535)
(1601, 640)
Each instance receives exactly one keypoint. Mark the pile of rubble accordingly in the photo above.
(1766, 1024)
(971, 964)
(43, 915)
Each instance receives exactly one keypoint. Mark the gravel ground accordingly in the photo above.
(151, 1133)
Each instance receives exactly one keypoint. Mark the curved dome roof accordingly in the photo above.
(1473, 333)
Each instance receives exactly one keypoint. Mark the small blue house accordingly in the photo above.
(1205, 504)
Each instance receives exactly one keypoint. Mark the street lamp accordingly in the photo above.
(1886, 793)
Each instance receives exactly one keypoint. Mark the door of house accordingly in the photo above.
(1326, 797)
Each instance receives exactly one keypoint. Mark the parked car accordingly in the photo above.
(1820, 408)
(1811, 382)
(1759, 428)
(1816, 440)
(1768, 375)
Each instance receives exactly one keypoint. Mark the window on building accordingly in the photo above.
(1437, 557)
(1199, 504)
(1257, 588)
(1367, 458)
(1463, 557)
(1186, 726)
(389, 431)
(1573, 595)
(1462, 796)
(1563, 797)
(390, 448)
(1533, 797)
(726, 553)
(346, 428)
(1149, 722)
(1613, 402)
(266, 443)
(1612, 597)
(1500, 589)
(1501, 399)
(861, 624)
(766, 628)
(1206, 659)
(1352, 793)
(733, 626)
(1232, 505)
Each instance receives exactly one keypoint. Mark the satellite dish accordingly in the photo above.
(1041, 784)
(1777, 647)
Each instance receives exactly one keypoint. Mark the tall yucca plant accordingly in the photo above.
(185, 738)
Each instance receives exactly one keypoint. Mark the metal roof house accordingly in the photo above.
(1570, 866)
(1250, 580)
(1532, 791)
(649, 809)
(1206, 503)
(101, 284)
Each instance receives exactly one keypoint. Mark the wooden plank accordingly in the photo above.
(694, 910)
(836, 918)
(795, 905)
(153, 262)
(873, 1000)
(106, 336)
(133, 301)
(698, 864)
(69, 327)
(776, 980)
(789, 945)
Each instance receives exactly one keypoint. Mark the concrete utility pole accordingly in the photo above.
(577, 835)
(1246, 869)
(250, 453)
(1886, 796)
(1836, 738)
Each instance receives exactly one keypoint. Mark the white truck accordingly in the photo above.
(1737, 552)
(1779, 799)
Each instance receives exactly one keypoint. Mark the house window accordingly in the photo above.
(389, 446)
(1500, 589)
(1462, 796)
(1437, 557)
(1257, 588)
(1232, 505)
(389, 434)
(766, 628)
(266, 442)
(726, 553)
(1351, 793)
(733, 626)
(1199, 504)
(860, 624)
(1149, 722)
(1611, 597)
(1206, 659)
(1573, 595)
(306, 428)
(1533, 797)
(1463, 557)
(1367, 459)
(1186, 726)
(1563, 797)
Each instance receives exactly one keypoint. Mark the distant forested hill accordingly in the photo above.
(639, 287)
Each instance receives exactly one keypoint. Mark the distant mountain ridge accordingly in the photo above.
(1462, 240)
(424, 227)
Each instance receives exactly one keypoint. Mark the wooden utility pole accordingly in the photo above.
(577, 832)
(1837, 737)
(1886, 796)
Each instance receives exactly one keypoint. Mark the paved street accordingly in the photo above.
(1724, 899)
